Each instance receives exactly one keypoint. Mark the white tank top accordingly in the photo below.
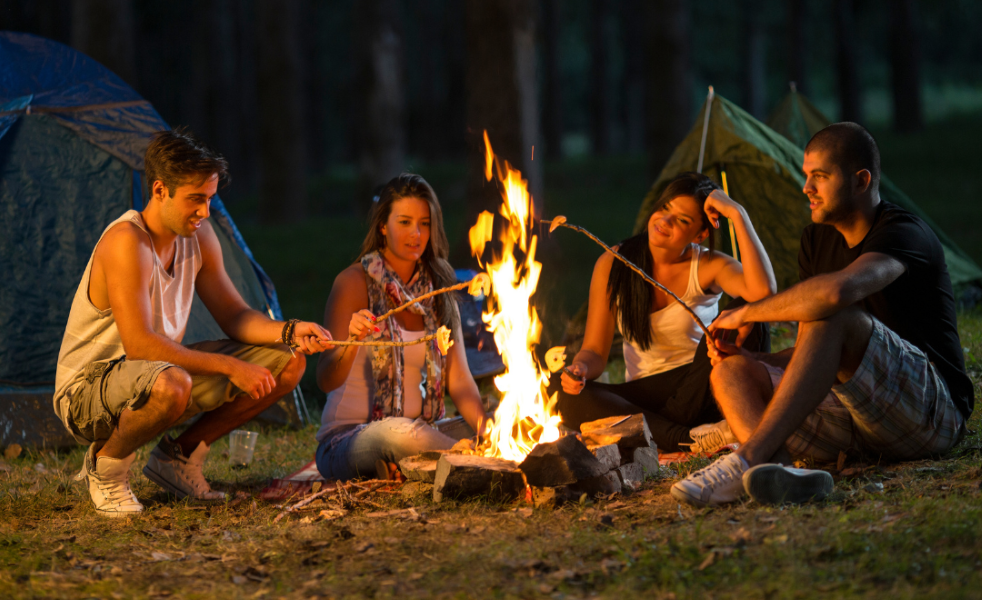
(349, 403)
(675, 335)
(91, 334)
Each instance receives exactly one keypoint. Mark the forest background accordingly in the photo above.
(316, 103)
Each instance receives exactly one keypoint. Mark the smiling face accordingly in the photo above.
(407, 230)
(828, 187)
(677, 223)
(190, 205)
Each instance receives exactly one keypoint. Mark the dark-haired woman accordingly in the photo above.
(382, 401)
(667, 367)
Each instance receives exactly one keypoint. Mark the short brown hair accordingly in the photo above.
(851, 147)
(176, 157)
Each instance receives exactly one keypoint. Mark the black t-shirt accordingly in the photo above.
(919, 305)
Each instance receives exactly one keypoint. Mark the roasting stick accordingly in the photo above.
(561, 222)
(479, 283)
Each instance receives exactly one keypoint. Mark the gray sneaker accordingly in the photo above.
(777, 484)
(109, 485)
(178, 474)
(711, 437)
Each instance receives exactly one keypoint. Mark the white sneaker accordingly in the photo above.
(109, 485)
(178, 474)
(777, 484)
(719, 483)
(711, 437)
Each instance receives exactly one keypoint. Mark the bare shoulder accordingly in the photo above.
(351, 286)
(122, 242)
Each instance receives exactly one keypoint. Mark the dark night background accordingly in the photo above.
(315, 103)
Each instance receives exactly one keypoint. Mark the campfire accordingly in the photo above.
(525, 416)
(523, 451)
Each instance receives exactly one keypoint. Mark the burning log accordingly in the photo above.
(468, 475)
(561, 462)
(627, 432)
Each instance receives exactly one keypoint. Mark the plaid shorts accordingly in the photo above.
(896, 405)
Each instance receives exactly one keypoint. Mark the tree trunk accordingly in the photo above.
(600, 87)
(632, 111)
(669, 82)
(427, 107)
(905, 62)
(501, 96)
(797, 46)
(847, 62)
(283, 181)
(753, 59)
(380, 138)
(552, 109)
(104, 30)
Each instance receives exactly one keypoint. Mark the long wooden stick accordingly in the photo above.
(636, 269)
(425, 338)
(458, 286)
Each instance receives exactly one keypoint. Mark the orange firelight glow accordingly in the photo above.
(525, 416)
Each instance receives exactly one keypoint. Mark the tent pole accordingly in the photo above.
(705, 128)
(733, 241)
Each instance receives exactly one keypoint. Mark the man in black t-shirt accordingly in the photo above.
(877, 367)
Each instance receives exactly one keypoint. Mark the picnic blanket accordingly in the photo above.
(299, 483)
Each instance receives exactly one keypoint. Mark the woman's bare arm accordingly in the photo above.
(349, 294)
(591, 360)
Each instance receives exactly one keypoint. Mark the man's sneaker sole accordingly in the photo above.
(118, 514)
(775, 484)
(682, 496)
(162, 482)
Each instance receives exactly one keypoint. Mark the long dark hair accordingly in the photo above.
(629, 294)
(434, 259)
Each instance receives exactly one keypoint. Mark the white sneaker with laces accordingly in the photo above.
(109, 485)
(777, 484)
(178, 474)
(719, 483)
(711, 437)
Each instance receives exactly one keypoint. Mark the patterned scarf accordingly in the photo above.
(385, 292)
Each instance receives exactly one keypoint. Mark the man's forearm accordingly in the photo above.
(810, 300)
(253, 327)
(156, 347)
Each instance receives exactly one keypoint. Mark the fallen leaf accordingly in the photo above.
(545, 588)
(315, 487)
(158, 556)
(4, 467)
(12, 451)
(776, 539)
(364, 547)
(40, 468)
(525, 512)
(709, 560)
(416, 576)
(741, 537)
(238, 579)
(478, 529)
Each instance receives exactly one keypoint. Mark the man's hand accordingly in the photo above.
(730, 319)
(254, 380)
(312, 338)
(574, 378)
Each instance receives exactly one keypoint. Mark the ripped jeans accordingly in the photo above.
(390, 439)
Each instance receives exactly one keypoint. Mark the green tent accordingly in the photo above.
(798, 120)
(763, 173)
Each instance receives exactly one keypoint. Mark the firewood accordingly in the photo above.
(608, 455)
(627, 432)
(608, 483)
(461, 475)
(419, 468)
(647, 458)
(561, 462)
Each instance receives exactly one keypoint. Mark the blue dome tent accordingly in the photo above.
(72, 139)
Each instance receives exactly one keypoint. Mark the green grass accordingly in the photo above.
(917, 538)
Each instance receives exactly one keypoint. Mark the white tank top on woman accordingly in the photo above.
(349, 403)
(675, 336)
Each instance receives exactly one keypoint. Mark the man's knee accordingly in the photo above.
(171, 392)
(736, 371)
(293, 371)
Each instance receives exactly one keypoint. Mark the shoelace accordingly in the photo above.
(713, 438)
(117, 491)
(718, 472)
(193, 475)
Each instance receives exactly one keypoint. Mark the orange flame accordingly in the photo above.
(525, 417)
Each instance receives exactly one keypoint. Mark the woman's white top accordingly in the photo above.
(350, 403)
(675, 336)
